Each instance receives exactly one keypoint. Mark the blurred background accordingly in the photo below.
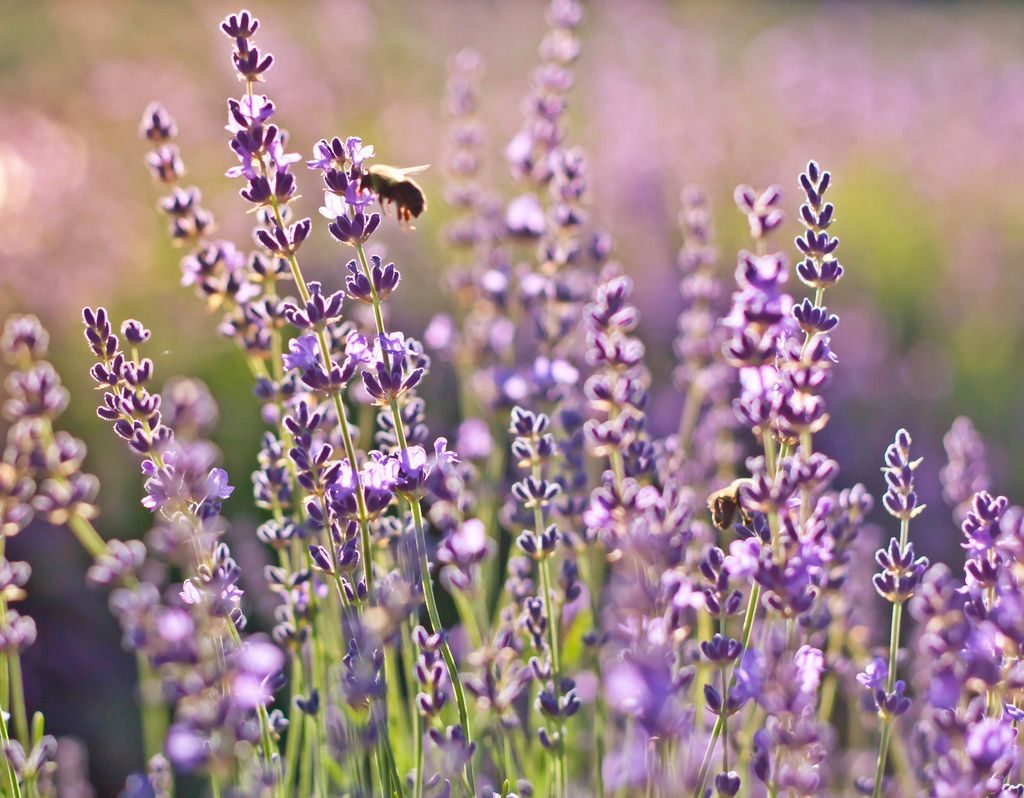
(917, 109)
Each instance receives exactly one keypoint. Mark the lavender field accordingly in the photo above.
(511, 399)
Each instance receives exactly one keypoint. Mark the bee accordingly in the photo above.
(725, 503)
(394, 186)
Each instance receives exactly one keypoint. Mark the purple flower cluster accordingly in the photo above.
(218, 682)
(705, 451)
(966, 469)
(595, 608)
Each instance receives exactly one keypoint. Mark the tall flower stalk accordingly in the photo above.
(896, 582)
(264, 164)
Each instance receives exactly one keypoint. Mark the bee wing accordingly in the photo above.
(414, 170)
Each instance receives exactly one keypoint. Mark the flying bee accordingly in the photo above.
(393, 186)
(725, 503)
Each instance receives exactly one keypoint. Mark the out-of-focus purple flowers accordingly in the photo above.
(586, 606)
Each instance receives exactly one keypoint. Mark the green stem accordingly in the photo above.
(651, 755)
(12, 779)
(506, 750)
(725, 704)
(386, 749)
(266, 735)
(770, 454)
(421, 542)
(435, 622)
(883, 751)
(771, 464)
(556, 668)
(325, 355)
(716, 732)
(468, 617)
(382, 776)
(367, 547)
(87, 536)
(12, 692)
(830, 685)
(18, 702)
(398, 719)
(594, 590)
(553, 628)
(773, 785)
(294, 742)
(319, 754)
(346, 433)
(688, 421)
(894, 647)
(309, 753)
(418, 789)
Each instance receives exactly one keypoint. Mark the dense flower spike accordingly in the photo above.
(703, 446)
(966, 469)
(204, 626)
(900, 575)
(617, 391)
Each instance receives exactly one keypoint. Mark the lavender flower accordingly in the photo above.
(900, 575)
(966, 471)
(557, 615)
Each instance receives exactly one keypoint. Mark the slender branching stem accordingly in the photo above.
(421, 542)
(894, 648)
